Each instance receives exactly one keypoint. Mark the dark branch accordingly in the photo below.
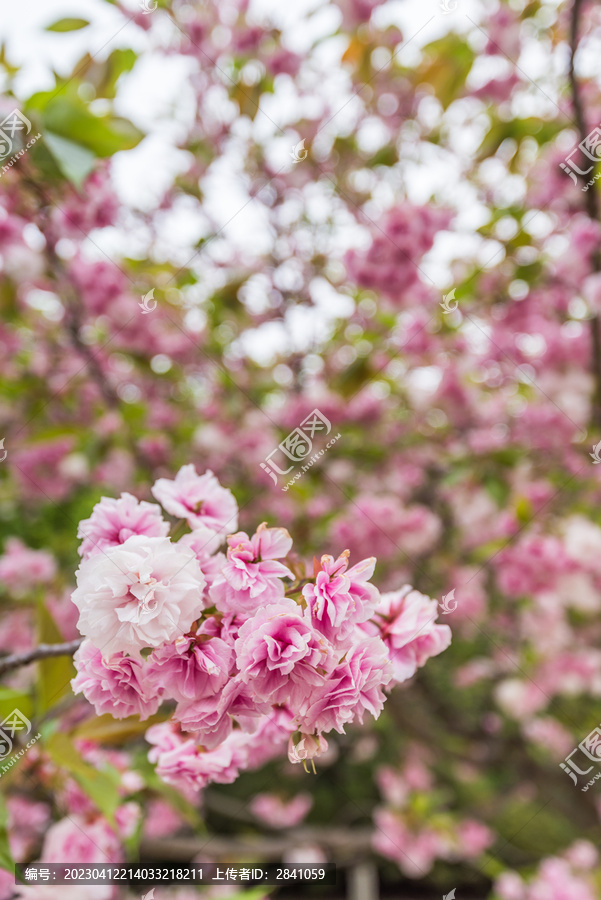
(42, 651)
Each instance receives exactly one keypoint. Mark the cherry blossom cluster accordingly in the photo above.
(251, 652)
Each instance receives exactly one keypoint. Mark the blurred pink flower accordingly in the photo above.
(22, 568)
(278, 813)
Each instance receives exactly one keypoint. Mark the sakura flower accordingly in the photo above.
(308, 746)
(268, 739)
(355, 686)
(277, 813)
(408, 628)
(199, 499)
(22, 568)
(183, 764)
(204, 542)
(27, 822)
(413, 851)
(118, 686)
(252, 576)
(81, 841)
(329, 600)
(192, 667)
(279, 654)
(207, 717)
(113, 521)
(473, 837)
(161, 819)
(142, 593)
(341, 597)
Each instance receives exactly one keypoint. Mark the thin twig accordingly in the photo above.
(42, 651)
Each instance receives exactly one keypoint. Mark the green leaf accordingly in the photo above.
(100, 787)
(498, 489)
(68, 25)
(447, 65)
(6, 860)
(74, 161)
(120, 61)
(66, 115)
(541, 130)
(55, 673)
(10, 700)
(106, 729)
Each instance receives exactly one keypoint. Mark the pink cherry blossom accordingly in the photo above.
(279, 654)
(113, 521)
(277, 813)
(207, 717)
(307, 746)
(22, 568)
(252, 576)
(80, 840)
(407, 622)
(329, 599)
(199, 499)
(414, 852)
(473, 837)
(181, 763)
(353, 688)
(191, 668)
(161, 819)
(119, 685)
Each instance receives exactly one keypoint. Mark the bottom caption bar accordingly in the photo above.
(192, 873)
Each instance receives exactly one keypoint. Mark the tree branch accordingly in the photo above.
(591, 203)
(577, 104)
(346, 843)
(42, 651)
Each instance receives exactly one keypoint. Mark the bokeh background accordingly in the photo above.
(357, 207)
